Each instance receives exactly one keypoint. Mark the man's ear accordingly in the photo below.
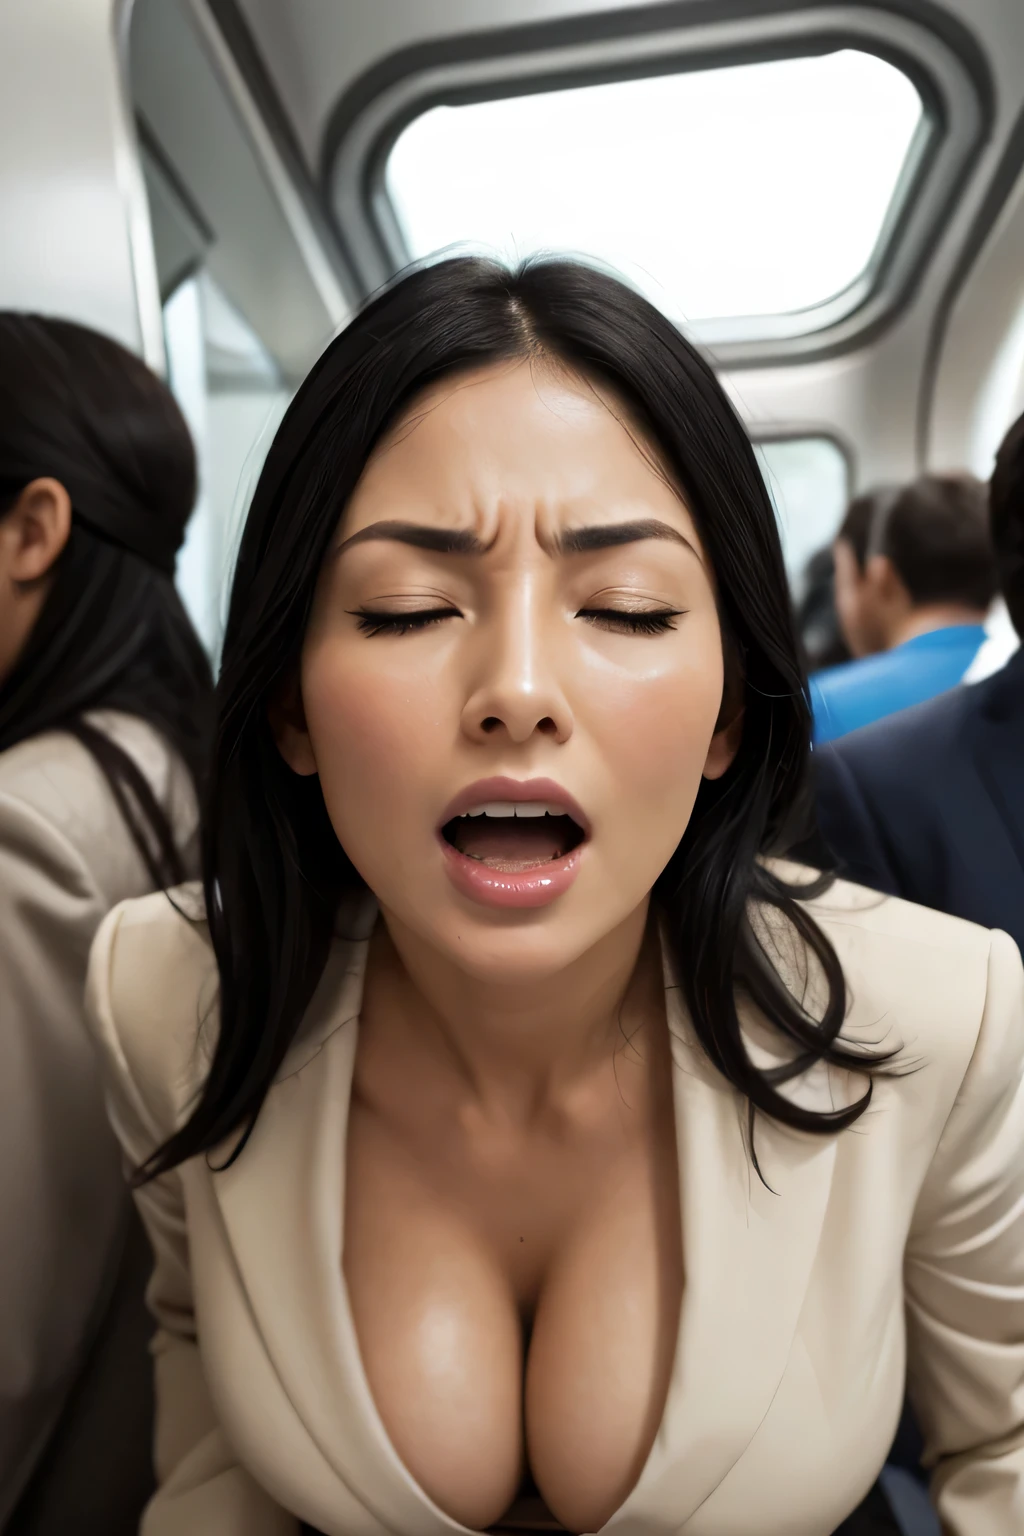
(36, 530)
(287, 719)
(885, 580)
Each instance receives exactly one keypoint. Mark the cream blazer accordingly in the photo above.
(66, 858)
(900, 1240)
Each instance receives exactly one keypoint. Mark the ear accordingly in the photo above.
(725, 743)
(287, 719)
(885, 581)
(36, 530)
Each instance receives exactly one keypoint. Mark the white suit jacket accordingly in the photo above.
(66, 858)
(899, 1239)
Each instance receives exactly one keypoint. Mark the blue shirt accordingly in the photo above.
(858, 692)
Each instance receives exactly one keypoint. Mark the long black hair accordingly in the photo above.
(112, 633)
(274, 871)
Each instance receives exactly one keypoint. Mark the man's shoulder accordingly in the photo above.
(935, 726)
(843, 697)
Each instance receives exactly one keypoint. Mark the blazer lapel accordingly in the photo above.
(282, 1207)
(747, 1253)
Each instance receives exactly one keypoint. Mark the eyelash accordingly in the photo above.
(618, 620)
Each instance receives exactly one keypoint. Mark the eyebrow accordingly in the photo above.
(573, 541)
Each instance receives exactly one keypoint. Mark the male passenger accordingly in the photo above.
(929, 804)
(912, 609)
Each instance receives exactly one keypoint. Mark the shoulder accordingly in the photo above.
(841, 695)
(849, 678)
(152, 1004)
(52, 784)
(901, 739)
(917, 980)
(151, 1000)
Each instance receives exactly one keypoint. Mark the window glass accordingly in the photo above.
(756, 189)
(232, 397)
(808, 481)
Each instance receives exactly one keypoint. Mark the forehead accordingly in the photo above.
(521, 437)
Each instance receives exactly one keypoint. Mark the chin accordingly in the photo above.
(502, 948)
(513, 957)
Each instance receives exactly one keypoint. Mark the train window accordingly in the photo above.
(232, 396)
(741, 191)
(808, 479)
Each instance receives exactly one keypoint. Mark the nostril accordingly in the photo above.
(548, 726)
(490, 724)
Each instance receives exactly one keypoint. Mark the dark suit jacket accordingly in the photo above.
(928, 804)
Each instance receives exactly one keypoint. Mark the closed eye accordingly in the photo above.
(631, 622)
(618, 620)
(372, 623)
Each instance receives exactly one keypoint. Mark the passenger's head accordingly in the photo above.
(916, 558)
(850, 553)
(97, 481)
(1006, 520)
(509, 527)
(816, 617)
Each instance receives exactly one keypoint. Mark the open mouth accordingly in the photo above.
(510, 837)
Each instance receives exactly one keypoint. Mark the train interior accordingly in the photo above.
(828, 197)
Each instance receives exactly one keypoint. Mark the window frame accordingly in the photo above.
(762, 436)
(953, 83)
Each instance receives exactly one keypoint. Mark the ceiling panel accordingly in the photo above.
(314, 49)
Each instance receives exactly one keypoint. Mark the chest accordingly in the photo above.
(516, 1301)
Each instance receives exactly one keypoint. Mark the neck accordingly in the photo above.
(514, 1044)
(927, 617)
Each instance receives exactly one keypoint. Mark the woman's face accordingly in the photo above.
(516, 612)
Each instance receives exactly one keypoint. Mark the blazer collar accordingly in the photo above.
(747, 1251)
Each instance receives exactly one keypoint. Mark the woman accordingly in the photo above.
(502, 1157)
(105, 695)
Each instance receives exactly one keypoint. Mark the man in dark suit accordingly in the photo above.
(928, 804)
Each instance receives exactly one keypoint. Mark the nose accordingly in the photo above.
(515, 685)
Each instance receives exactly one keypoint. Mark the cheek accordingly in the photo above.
(655, 731)
(367, 727)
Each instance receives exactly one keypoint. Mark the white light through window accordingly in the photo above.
(757, 189)
(808, 481)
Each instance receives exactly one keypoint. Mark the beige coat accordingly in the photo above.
(904, 1234)
(66, 858)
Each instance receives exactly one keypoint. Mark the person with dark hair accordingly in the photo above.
(850, 554)
(914, 578)
(499, 1104)
(816, 619)
(105, 712)
(929, 804)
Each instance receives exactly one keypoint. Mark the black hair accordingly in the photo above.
(935, 532)
(817, 621)
(1006, 521)
(112, 633)
(273, 869)
(860, 518)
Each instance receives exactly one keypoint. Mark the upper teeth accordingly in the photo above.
(516, 808)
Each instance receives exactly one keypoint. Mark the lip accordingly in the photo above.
(517, 791)
(534, 887)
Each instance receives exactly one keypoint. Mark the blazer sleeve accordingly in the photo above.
(63, 1208)
(964, 1279)
(202, 1490)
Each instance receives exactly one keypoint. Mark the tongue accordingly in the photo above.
(510, 844)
